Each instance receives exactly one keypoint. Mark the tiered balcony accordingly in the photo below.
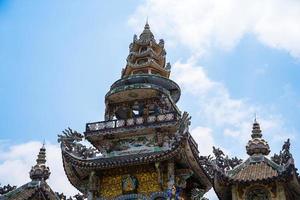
(113, 125)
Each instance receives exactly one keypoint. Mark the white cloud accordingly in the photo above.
(204, 138)
(200, 24)
(16, 162)
(213, 97)
(193, 79)
(222, 112)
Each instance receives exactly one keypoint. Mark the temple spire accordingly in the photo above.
(256, 132)
(257, 145)
(40, 171)
(146, 55)
(147, 35)
(147, 24)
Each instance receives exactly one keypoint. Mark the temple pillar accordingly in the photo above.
(159, 174)
(234, 193)
(280, 192)
(93, 186)
(171, 176)
(90, 196)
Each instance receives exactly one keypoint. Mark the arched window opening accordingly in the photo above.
(258, 193)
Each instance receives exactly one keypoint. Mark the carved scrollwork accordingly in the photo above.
(62, 196)
(197, 194)
(184, 123)
(6, 188)
(224, 162)
(219, 158)
(233, 162)
(284, 155)
(207, 165)
(70, 142)
(69, 138)
(220, 161)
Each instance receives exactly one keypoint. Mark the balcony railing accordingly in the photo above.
(123, 123)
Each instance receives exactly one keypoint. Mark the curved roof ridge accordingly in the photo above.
(107, 162)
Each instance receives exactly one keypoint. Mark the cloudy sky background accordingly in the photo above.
(231, 58)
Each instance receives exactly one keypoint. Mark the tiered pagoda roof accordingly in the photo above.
(146, 55)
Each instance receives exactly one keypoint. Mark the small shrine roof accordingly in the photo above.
(37, 188)
(259, 171)
(30, 190)
(257, 168)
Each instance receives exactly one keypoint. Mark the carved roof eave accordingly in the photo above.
(283, 171)
(184, 145)
(145, 86)
(100, 163)
(149, 64)
(73, 176)
(294, 185)
(222, 190)
(170, 84)
(152, 76)
(134, 46)
(149, 52)
(195, 163)
(93, 136)
(253, 159)
(73, 164)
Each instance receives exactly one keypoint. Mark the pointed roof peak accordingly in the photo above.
(40, 171)
(256, 131)
(44, 143)
(147, 24)
(41, 158)
(147, 35)
(257, 145)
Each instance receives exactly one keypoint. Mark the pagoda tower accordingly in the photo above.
(258, 177)
(143, 149)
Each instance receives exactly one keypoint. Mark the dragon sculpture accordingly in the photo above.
(62, 196)
(70, 142)
(219, 161)
(284, 155)
(6, 188)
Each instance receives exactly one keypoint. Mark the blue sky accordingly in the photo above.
(59, 58)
